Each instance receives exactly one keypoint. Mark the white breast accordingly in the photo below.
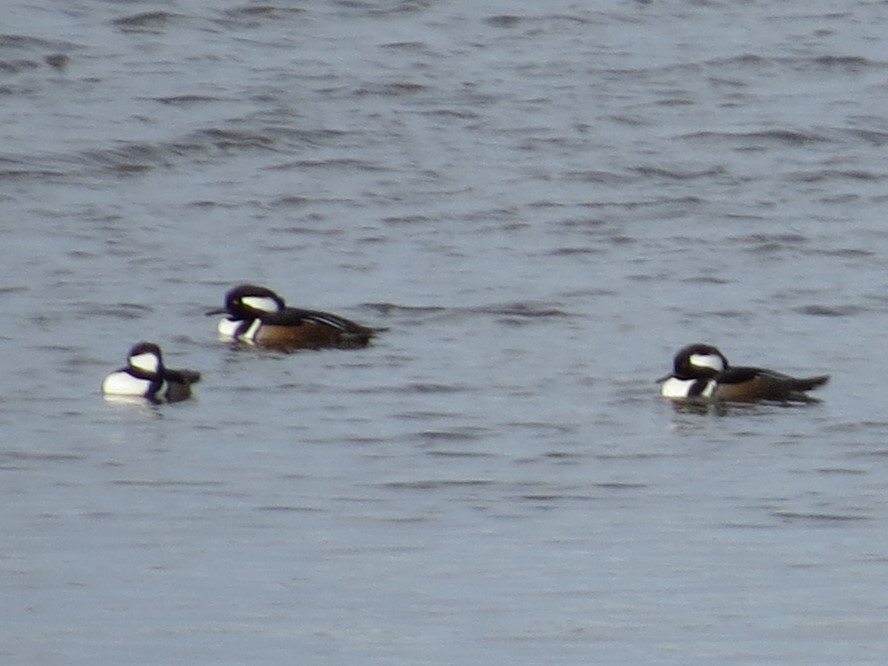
(679, 389)
(228, 327)
(123, 383)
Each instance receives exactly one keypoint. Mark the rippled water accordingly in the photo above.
(542, 203)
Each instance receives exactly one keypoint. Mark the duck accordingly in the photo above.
(258, 316)
(702, 372)
(145, 376)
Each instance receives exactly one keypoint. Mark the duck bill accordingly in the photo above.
(217, 311)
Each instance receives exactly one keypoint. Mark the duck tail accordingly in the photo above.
(808, 383)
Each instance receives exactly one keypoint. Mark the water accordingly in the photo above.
(542, 204)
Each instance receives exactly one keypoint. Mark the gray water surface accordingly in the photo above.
(542, 202)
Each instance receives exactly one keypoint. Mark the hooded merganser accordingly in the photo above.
(146, 377)
(701, 372)
(257, 315)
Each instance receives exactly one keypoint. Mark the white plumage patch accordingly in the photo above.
(679, 389)
(146, 362)
(250, 333)
(261, 303)
(123, 383)
(675, 388)
(228, 327)
(711, 361)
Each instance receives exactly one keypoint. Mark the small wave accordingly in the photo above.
(186, 100)
(464, 434)
(126, 311)
(251, 15)
(395, 309)
(145, 21)
(846, 252)
(767, 239)
(381, 9)
(835, 174)
(818, 310)
(333, 163)
(677, 174)
(814, 517)
(424, 387)
(436, 485)
(396, 88)
(519, 309)
(625, 485)
(874, 137)
(844, 62)
(706, 279)
(18, 65)
(596, 176)
(136, 157)
(778, 136)
(152, 483)
(282, 508)
(570, 251)
(38, 456)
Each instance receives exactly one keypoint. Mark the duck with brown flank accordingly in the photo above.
(257, 315)
(702, 372)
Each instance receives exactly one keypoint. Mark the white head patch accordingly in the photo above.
(711, 361)
(261, 303)
(146, 362)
